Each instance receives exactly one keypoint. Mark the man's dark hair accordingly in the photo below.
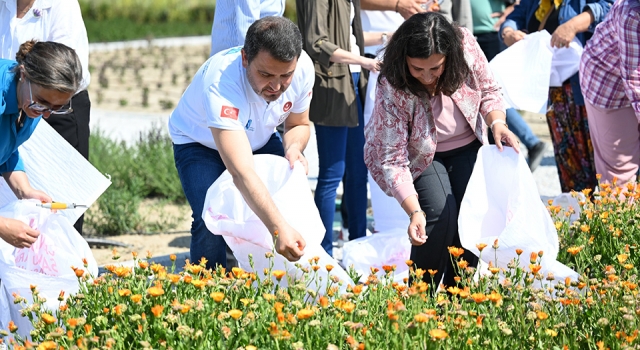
(277, 35)
(421, 36)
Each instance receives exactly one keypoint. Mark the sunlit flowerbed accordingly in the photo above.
(149, 307)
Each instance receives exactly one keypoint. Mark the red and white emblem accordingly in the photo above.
(229, 112)
(287, 106)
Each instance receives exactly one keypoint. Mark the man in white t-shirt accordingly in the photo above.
(229, 112)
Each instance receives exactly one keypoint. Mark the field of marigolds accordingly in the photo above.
(150, 307)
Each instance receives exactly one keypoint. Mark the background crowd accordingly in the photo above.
(436, 103)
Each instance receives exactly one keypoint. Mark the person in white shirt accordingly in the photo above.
(58, 21)
(230, 112)
(232, 18)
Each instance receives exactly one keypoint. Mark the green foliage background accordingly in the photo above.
(116, 20)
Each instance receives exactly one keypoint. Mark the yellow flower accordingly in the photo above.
(122, 271)
(622, 258)
(278, 274)
(550, 332)
(481, 246)
(47, 345)
(136, 298)
(584, 228)
(217, 296)
(199, 284)
(542, 315)
(304, 314)
(421, 318)
(124, 292)
(235, 314)
(48, 319)
(574, 250)
(155, 291)
(438, 334)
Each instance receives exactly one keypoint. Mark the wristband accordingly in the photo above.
(417, 211)
(498, 121)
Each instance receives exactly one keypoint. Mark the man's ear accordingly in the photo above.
(245, 62)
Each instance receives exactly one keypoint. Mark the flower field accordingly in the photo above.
(148, 306)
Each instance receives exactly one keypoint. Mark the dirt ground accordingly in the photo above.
(176, 240)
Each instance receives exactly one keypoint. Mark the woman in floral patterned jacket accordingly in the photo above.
(435, 95)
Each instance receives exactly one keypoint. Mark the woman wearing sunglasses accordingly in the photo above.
(40, 84)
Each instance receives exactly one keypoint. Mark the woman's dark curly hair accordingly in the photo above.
(421, 36)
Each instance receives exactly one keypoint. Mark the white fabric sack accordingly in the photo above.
(565, 62)
(523, 72)
(527, 69)
(226, 213)
(47, 264)
(502, 202)
(390, 247)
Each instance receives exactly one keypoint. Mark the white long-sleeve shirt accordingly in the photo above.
(47, 20)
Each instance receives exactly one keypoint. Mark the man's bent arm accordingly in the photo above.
(235, 151)
(296, 135)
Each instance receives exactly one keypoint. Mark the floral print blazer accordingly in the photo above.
(401, 136)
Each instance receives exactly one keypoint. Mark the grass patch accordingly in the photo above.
(121, 29)
(143, 170)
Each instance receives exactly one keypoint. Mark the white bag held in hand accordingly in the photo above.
(226, 213)
(47, 264)
(502, 202)
(389, 247)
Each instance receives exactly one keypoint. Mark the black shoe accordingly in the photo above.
(535, 155)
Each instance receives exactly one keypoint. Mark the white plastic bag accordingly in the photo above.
(47, 264)
(390, 247)
(502, 202)
(226, 213)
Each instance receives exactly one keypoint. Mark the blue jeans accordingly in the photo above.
(198, 168)
(521, 128)
(341, 152)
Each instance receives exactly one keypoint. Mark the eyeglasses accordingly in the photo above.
(40, 108)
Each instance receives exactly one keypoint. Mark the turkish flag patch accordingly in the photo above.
(229, 112)
(287, 106)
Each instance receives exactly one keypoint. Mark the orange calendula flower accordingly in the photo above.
(217, 296)
(622, 258)
(329, 267)
(172, 257)
(494, 270)
(535, 268)
(136, 298)
(122, 271)
(323, 301)
(519, 251)
(235, 314)
(278, 274)
(155, 291)
(357, 289)
(72, 322)
(12, 327)
(47, 318)
(348, 307)
(187, 279)
(304, 314)
(124, 292)
(438, 334)
(584, 228)
(456, 252)
(542, 315)
(157, 310)
(198, 284)
(481, 246)
(421, 318)
(79, 272)
(533, 258)
(388, 268)
(143, 265)
(478, 297)
(409, 263)
(574, 250)
(453, 290)
(432, 272)
(47, 345)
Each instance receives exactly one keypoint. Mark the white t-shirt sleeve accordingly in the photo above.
(225, 112)
(308, 77)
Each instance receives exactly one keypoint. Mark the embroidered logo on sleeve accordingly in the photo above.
(229, 112)
(287, 106)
